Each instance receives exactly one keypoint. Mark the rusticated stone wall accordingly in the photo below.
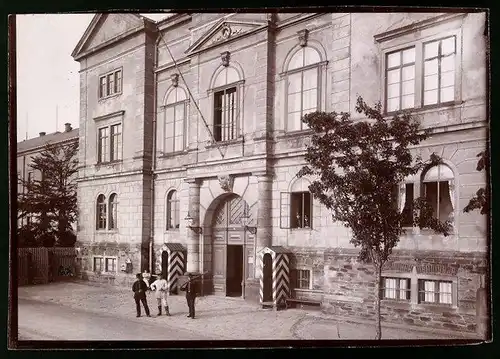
(349, 288)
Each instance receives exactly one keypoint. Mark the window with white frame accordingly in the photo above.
(396, 288)
(438, 189)
(110, 264)
(113, 211)
(103, 145)
(400, 79)
(109, 143)
(116, 143)
(296, 206)
(173, 211)
(435, 291)
(421, 75)
(98, 264)
(303, 279)
(302, 86)
(175, 120)
(227, 111)
(110, 84)
(101, 212)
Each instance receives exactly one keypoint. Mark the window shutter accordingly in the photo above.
(285, 210)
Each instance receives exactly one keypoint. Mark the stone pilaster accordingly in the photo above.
(193, 237)
(264, 215)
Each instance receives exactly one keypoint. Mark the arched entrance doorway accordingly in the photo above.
(233, 247)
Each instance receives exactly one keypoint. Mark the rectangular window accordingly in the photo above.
(98, 264)
(303, 279)
(434, 61)
(435, 291)
(225, 109)
(110, 265)
(300, 210)
(395, 288)
(103, 145)
(118, 81)
(116, 142)
(439, 71)
(408, 205)
(175, 116)
(110, 84)
(400, 80)
(102, 87)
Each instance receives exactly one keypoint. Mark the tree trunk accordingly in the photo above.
(378, 325)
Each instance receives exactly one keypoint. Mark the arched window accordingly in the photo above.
(439, 190)
(175, 120)
(101, 212)
(226, 107)
(113, 211)
(172, 211)
(302, 86)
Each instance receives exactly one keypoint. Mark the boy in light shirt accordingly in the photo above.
(160, 286)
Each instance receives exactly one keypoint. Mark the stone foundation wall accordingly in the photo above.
(350, 287)
(120, 251)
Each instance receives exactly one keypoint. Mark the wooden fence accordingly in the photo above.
(43, 265)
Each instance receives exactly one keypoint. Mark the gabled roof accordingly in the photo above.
(94, 27)
(38, 142)
(225, 30)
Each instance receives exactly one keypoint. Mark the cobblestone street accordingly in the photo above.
(217, 318)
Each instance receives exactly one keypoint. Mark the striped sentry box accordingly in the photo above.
(176, 264)
(280, 274)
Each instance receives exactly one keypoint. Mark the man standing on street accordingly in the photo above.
(139, 288)
(190, 288)
(160, 286)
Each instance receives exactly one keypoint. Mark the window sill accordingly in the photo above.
(428, 108)
(102, 99)
(106, 274)
(299, 133)
(173, 154)
(106, 231)
(301, 229)
(224, 143)
(109, 163)
(304, 290)
(173, 230)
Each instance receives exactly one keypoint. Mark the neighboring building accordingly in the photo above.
(148, 161)
(30, 148)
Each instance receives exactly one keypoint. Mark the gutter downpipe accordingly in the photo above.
(153, 165)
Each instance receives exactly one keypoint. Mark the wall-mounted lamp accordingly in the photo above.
(245, 219)
(190, 222)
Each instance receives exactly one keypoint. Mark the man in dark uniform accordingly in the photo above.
(139, 288)
(190, 288)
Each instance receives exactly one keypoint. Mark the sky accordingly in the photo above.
(48, 90)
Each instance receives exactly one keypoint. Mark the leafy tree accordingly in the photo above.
(48, 204)
(358, 166)
(481, 200)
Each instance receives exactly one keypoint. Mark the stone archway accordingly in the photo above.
(229, 248)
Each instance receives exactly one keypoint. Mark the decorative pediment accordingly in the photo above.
(105, 28)
(224, 31)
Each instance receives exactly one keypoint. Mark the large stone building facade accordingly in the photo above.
(191, 139)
